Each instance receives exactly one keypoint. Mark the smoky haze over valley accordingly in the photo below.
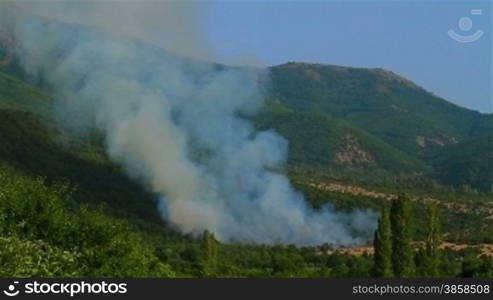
(245, 139)
(173, 122)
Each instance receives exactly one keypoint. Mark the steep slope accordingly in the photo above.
(327, 144)
(30, 142)
(336, 119)
(44, 234)
(67, 210)
(467, 164)
(43, 223)
(386, 105)
(17, 94)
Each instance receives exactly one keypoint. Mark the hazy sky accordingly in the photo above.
(409, 38)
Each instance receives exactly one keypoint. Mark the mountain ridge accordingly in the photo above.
(383, 104)
(364, 118)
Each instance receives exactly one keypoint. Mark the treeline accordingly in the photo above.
(465, 217)
(45, 232)
(398, 255)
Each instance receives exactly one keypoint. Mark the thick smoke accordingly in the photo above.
(174, 122)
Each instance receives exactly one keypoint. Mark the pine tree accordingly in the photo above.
(433, 240)
(208, 250)
(402, 235)
(382, 244)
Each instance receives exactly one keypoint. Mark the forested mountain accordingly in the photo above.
(337, 116)
(65, 205)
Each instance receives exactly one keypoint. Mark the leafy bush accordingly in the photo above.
(67, 239)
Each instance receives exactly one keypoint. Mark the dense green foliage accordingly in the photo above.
(208, 257)
(395, 251)
(431, 252)
(404, 128)
(68, 210)
(318, 140)
(43, 233)
(17, 94)
(34, 146)
(402, 237)
(382, 244)
(468, 164)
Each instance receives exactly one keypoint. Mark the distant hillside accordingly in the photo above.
(360, 124)
(32, 143)
(15, 93)
(321, 141)
(392, 113)
(467, 163)
(68, 210)
(383, 103)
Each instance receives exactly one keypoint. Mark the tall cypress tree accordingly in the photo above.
(208, 250)
(382, 244)
(402, 235)
(433, 240)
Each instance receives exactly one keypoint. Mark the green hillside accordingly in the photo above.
(61, 205)
(391, 107)
(397, 125)
(17, 94)
(66, 210)
(346, 121)
(358, 139)
(467, 164)
(44, 234)
(320, 141)
(66, 206)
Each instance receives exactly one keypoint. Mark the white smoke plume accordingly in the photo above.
(174, 122)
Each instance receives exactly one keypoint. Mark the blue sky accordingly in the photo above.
(409, 38)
